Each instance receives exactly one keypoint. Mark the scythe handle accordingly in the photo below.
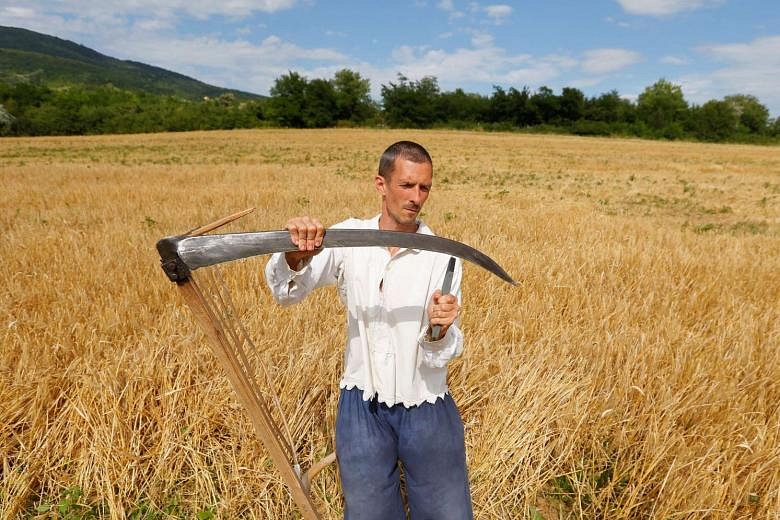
(445, 289)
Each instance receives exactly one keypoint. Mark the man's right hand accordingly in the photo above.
(306, 233)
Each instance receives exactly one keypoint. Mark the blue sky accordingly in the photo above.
(712, 48)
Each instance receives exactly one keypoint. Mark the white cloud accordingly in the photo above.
(583, 83)
(18, 12)
(664, 7)
(599, 65)
(482, 62)
(404, 54)
(562, 61)
(448, 6)
(498, 12)
(674, 60)
(236, 64)
(619, 23)
(83, 29)
(92, 9)
(756, 52)
(748, 68)
(149, 24)
(482, 40)
(604, 61)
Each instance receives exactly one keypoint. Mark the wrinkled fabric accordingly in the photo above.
(387, 353)
(428, 439)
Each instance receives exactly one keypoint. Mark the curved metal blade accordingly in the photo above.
(202, 251)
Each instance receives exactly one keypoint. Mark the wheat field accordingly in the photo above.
(633, 373)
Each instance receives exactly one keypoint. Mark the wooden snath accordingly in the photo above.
(214, 311)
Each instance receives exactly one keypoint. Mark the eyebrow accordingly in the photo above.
(408, 182)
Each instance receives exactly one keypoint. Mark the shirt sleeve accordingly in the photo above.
(437, 354)
(290, 286)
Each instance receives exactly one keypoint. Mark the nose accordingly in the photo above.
(416, 195)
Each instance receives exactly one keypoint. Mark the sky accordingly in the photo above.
(711, 48)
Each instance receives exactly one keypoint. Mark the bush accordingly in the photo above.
(585, 127)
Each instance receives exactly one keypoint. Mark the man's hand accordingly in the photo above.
(442, 310)
(306, 233)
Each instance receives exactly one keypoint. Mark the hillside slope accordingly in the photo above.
(28, 55)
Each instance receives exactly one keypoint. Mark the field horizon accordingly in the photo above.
(633, 373)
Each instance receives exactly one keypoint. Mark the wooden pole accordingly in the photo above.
(238, 372)
(218, 223)
(254, 403)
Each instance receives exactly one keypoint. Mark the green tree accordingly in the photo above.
(6, 121)
(753, 116)
(410, 104)
(228, 99)
(319, 110)
(609, 107)
(512, 106)
(546, 104)
(663, 108)
(85, 109)
(460, 108)
(571, 104)
(499, 106)
(521, 111)
(353, 100)
(774, 127)
(288, 98)
(715, 121)
(27, 95)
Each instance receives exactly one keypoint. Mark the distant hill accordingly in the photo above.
(30, 56)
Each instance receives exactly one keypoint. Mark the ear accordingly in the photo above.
(379, 184)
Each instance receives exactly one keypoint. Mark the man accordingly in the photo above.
(394, 403)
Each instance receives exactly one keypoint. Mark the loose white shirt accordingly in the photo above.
(387, 352)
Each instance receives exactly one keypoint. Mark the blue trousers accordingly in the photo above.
(428, 440)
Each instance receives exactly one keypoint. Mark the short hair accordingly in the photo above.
(407, 150)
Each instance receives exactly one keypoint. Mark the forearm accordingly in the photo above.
(297, 259)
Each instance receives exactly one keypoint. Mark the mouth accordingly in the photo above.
(412, 210)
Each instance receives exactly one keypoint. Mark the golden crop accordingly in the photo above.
(634, 373)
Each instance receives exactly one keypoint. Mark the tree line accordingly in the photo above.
(660, 111)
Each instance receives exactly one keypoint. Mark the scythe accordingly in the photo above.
(183, 254)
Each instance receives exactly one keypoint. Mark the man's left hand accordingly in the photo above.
(442, 310)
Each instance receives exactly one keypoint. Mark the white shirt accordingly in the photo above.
(387, 298)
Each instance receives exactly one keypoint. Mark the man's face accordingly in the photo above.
(403, 194)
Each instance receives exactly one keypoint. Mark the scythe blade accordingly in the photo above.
(181, 254)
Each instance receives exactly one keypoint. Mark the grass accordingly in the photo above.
(634, 373)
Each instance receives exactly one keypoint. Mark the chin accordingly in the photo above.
(405, 218)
